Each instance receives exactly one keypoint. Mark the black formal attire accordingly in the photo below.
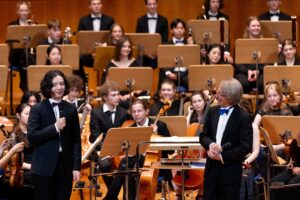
(56, 154)
(220, 15)
(100, 123)
(86, 24)
(296, 62)
(222, 181)
(18, 61)
(113, 192)
(172, 111)
(161, 26)
(268, 15)
(46, 41)
(241, 74)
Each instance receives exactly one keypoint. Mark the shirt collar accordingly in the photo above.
(275, 12)
(145, 124)
(152, 16)
(53, 101)
(175, 39)
(106, 108)
(212, 14)
(94, 16)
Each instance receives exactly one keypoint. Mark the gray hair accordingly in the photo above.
(232, 90)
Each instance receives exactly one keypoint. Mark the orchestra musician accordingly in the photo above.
(166, 95)
(31, 98)
(274, 13)
(212, 10)
(214, 55)
(288, 54)
(53, 130)
(104, 117)
(139, 113)
(227, 138)
(247, 73)
(95, 21)
(196, 110)
(54, 56)
(54, 33)
(18, 58)
(116, 32)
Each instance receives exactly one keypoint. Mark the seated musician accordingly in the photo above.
(274, 13)
(291, 175)
(116, 32)
(31, 98)
(54, 33)
(247, 73)
(288, 55)
(54, 56)
(139, 113)
(196, 111)
(178, 30)
(214, 54)
(166, 95)
(212, 12)
(108, 115)
(76, 86)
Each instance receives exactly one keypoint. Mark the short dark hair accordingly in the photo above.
(177, 21)
(26, 96)
(49, 49)
(119, 46)
(146, 1)
(54, 23)
(139, 101)
(211, 47)
(47, 84)
(207, 6)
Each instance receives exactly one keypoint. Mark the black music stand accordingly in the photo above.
(19, 37)
(124, 141)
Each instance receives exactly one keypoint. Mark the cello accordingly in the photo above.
(148, 179)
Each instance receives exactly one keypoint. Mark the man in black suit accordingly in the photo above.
(54, 33)
(53, 130)
(139, 113)
(109, 115)
(274, 13)
(227, 138)
(95, 21)
(152, 22)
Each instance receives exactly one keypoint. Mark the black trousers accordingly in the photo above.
(56, 187)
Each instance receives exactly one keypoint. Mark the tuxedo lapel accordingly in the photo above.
(145, 24)
(50, 111)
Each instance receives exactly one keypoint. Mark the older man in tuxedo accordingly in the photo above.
(227, 137)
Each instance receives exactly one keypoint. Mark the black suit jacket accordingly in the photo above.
(100, 122)
(86, 23)
(238, 133)
(43, 135)
(161, 26)
(267, 16)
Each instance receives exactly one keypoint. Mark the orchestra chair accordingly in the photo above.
(272, 128)
(36, 73)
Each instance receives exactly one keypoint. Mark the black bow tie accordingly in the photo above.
(56, 104)
(210, 15)
(274, 14)
(179, 42)
(94, 18)
(152, 18)
(223, 111)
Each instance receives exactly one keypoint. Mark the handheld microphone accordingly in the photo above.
(226, 146)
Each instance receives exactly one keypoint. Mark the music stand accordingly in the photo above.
(117, 139)
(188, 54)
(87, 40)
(37, 72)
(209, 31)
(69, 52)
(145, 43)
(131, 78)
(32, 33)
(276, 125)
(280, 30)
(283, 73)
(208, 76)
(176, 124)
